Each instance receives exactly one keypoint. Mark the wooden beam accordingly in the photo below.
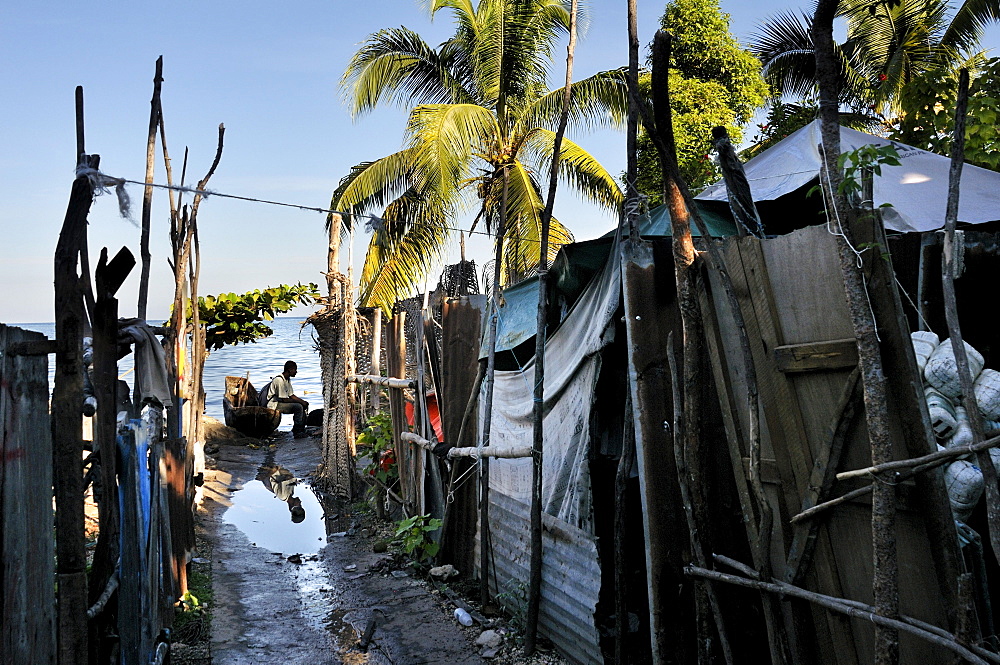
(817, 356)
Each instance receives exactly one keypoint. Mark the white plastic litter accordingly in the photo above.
(463, 617)
(987, 389)
(964, 482)
(924, 343)
(941, 372)
(962, 438)
(942, 413)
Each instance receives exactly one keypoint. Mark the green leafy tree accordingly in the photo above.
(480, 108)
(235, 318)
(928, 119)
(713, 82)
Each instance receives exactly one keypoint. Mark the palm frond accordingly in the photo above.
(522, 247)
(396, 66)
(371, 185)
(444, 140)
(577, 168)
(402, 253)
(969, 23)
(597, 102)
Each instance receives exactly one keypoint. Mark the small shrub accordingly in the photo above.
(415, 536)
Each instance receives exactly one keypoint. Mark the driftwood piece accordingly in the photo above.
(147, 195)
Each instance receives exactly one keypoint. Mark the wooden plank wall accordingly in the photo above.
(813, 425)
(461, 321)
(26, 540)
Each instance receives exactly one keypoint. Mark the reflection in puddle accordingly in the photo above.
(278, 512)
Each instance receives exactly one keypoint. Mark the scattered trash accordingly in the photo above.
(366, 533)
(443, 572)
(356, 576)
(351, 567)
(399, 573)
(488, 638)
(461, 615)
(198, 559)
(339, 534)
(295, 558)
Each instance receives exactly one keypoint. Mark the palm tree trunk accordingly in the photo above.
(885, 583)
(484, 474)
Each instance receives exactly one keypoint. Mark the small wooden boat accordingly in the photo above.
(239, 406)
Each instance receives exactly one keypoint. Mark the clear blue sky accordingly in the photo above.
(271, 76)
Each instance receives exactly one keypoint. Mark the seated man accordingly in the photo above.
(281, 396)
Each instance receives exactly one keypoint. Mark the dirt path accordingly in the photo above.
(300, 591)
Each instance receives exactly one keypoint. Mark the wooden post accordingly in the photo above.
(147, 195)
(28, 603)
(687, 421)
(484, 465)
(396, 359)
(67, 398)
(885, 582)
(538, 406)
(376, 363)
(951, 315)
(737, 188)
(108, 279)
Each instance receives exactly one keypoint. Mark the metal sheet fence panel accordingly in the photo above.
(26, 537)
(571, 576)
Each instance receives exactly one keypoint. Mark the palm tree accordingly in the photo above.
(888, 45)
(481, 117)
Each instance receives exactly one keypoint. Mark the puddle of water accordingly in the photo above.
(277, 514)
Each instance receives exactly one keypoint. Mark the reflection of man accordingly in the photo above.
(282, 397)
(282, 483)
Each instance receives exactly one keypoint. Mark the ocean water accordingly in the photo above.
(261, 361)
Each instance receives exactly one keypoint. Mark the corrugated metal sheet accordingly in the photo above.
(571, 576)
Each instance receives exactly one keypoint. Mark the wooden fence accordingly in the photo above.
(26, 542)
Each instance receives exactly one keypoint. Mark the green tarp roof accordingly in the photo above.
(573, 269)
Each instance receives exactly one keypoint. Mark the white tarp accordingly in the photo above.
(572, 364)
(917, 190)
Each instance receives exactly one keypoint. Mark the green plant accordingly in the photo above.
(853, 162)
(514, 602)
(377, 435)
(236, 318)
(415, 534)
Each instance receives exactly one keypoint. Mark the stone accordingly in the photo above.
(489, 652)
(443, 572)
(489, 639)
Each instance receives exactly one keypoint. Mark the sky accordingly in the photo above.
(271, 75)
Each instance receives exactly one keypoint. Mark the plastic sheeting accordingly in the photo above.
(572, 364)
(917, 189)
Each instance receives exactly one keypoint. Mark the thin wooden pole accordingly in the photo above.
(484, 464)
(67, 440)
(885, 578)
(147, 196)
(538, 406)
(688, 411)
(948, 277)
(631, 215)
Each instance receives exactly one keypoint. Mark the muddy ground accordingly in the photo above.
(295, 578)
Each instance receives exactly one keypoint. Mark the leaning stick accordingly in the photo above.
(940, 455)
(852, 609)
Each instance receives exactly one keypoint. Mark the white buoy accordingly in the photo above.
(962, 437)
(942, 413)
(924, 343)
(964, 482)
(941, 371)
(987, 389)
